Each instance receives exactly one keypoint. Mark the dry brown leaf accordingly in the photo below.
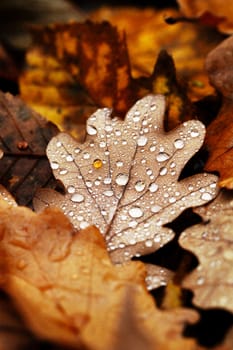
(219, 133)
(24, 136)
(213, 12)
(66, 279)
(123, 179)
(212, 243)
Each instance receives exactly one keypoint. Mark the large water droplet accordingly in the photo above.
(142, 140)
(135, 212)
(77, 198)
(153, 187)
(91, 130)
(179, 144)
(122, 179)
(162, 157)
(54, 165)
(163, 171)
(206, 196)
(140, 186)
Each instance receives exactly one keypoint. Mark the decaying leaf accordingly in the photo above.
(66, 279)
(219, 133)
(212, 242)
(213, 12)
(24, 136)
(123, 179)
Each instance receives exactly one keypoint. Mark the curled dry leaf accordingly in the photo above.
(212, 243)
(66, 287)
(213, 12)
(219, 133)
(24, 136)
(124, 178)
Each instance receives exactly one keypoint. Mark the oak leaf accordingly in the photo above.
(66, 287)
(24, 136)
(123, 178)
(219, 132)
(212, 242)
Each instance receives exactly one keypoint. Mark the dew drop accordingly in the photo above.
(119, 163)
(58, 144)
(133, 224)
(97, 163)
(179, 144)
(63, 171)
(91, 130)
(70, 189)
(140, 186)
(172, 200)
(69, 158)
(107, 180)
(200, 281)
(148, 243)
(88, 183)
(163, 171)
(194, 133)
(149, 172)
(102, 144)
(108, 128)
(153, 187)
(122, 179)
(206, 196)
(135, 212)
(118, 133)
(162, 157)
(155, 208)
(86, 155)
(54, 165)
(108, 193)
(77, 198)
(21, 264)
(153, 107)
(77, 150)
(84, 224)
(152, 148)
(142, 140)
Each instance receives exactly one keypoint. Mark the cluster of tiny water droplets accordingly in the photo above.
(123, 179)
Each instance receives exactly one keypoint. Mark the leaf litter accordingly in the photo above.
(67, 280)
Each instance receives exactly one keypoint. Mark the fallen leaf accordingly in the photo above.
(212, 12)
(23, 139)
(66, 279)
(219, 132)
(123, 179)
(212, 241)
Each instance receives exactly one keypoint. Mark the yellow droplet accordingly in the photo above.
(97, 163)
